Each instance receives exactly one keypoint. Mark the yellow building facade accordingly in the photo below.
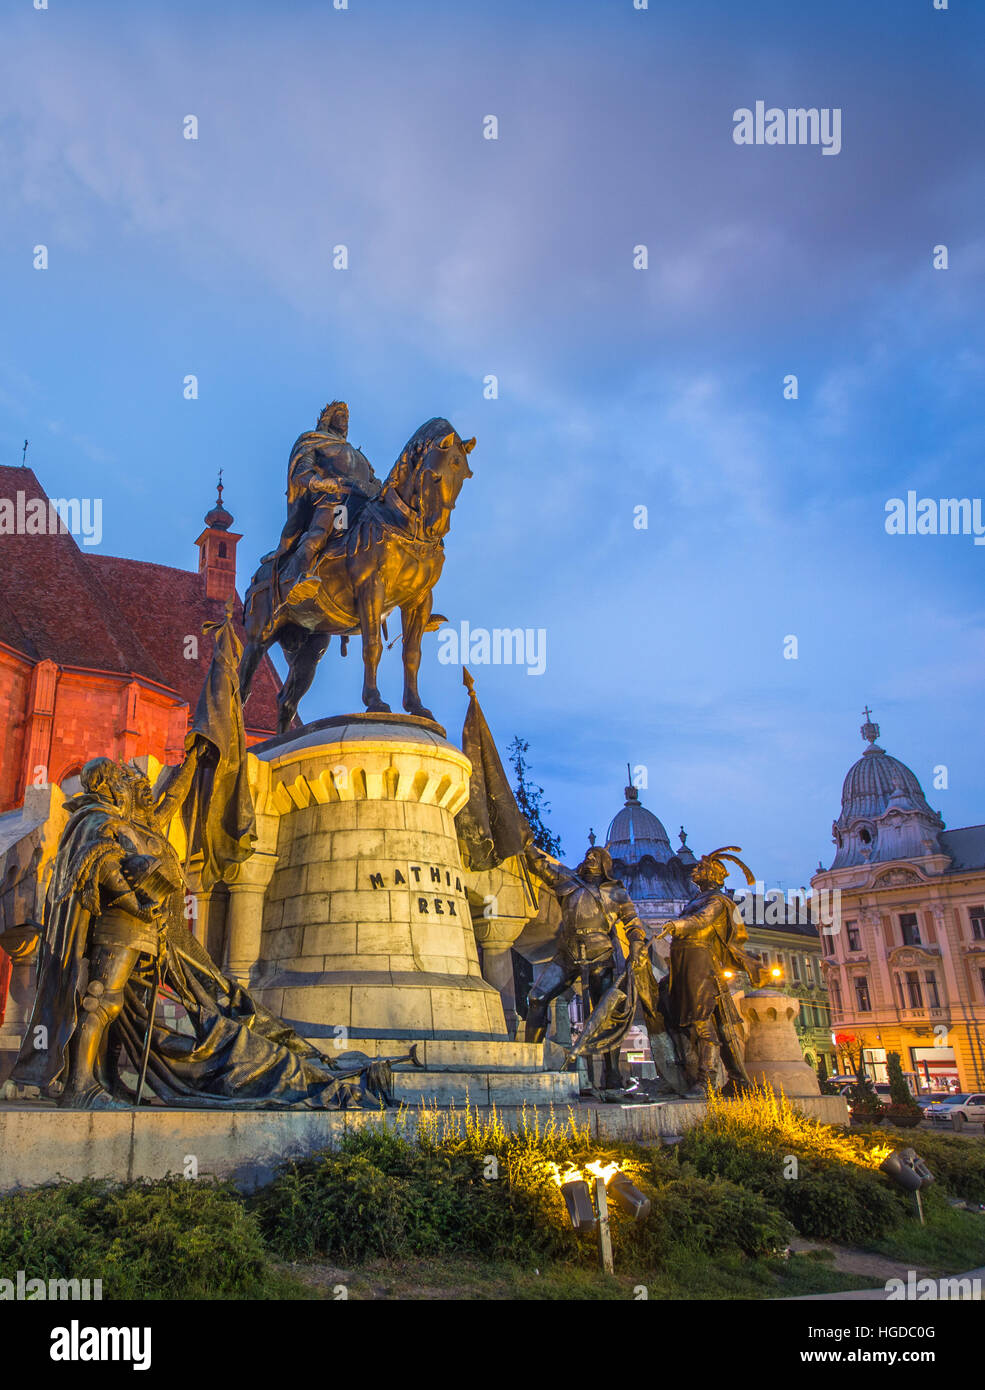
(904, 957)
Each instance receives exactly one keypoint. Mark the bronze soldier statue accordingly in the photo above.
(105, 857)
(596, 914)
(114, 932)
(707, 940)
(328, 480)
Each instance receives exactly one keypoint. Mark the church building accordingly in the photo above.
(102, 656)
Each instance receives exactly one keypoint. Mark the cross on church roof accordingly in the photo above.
(869, 730)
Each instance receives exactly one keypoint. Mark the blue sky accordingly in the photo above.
(617, 388)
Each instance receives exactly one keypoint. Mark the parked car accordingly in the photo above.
(968, 1108)
(928, 1100)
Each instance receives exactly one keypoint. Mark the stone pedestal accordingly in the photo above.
(773, 1055)
(366, 929)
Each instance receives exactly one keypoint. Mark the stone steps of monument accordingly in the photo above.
(460, 1088)
(453, 1054)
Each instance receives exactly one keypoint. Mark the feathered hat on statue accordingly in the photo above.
(711, 868)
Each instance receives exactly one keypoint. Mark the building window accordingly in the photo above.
(862, 994)
(933, 993)
(854, 939)
(910, 929)
(222, 550)
(976, 916)
(900, 992)
(913, 990)
(795, 968)
(982, 977)
(834, 990)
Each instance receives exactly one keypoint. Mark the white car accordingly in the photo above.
(967, 1109)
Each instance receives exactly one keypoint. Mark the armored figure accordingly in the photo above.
(707, 940)
(596, 915)
(119, 872)
(328, 481)
(115, 933)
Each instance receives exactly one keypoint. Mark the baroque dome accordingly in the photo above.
(635, 831)
(642, 857)
(878, 781)
(884, 813)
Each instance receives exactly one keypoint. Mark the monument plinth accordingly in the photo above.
(773, 1053)
(366, 923)
(366, 939)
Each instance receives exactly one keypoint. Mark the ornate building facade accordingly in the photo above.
(906, 968)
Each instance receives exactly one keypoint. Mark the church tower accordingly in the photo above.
(217, 551)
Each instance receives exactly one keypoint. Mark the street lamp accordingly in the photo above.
(908, 1171)
(586, 1214)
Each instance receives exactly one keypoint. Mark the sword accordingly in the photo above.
(150, 1028)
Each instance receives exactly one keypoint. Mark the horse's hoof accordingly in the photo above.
(419, 712)
(377, 707)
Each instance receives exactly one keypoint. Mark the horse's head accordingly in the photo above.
(428, 476)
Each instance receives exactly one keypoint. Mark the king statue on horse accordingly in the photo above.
(351, 551)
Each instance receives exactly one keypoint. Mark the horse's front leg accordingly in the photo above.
(415, 619)
(369, 600)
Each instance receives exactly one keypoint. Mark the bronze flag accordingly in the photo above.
(490, 825)
(218, 811)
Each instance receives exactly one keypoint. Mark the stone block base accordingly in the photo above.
(39, 1144)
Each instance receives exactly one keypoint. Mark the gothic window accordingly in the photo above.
(862, 994)
(977, 918)
(910, 929)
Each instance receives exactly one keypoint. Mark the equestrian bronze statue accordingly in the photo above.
(352, 551)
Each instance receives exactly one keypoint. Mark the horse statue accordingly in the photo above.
(389, 556)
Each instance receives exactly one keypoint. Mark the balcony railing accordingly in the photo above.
(925, 1014)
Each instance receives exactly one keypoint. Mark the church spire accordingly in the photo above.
(217, 550)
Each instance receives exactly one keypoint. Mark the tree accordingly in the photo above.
(530, 799)
(899, 1091)
(862, 1095)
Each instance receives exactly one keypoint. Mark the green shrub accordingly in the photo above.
(335, 1204)
(957, 1163)
(169, 1239)
(709, 1216)
(847, 1204)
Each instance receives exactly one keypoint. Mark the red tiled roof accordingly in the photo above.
(167, 606)
(78, 608)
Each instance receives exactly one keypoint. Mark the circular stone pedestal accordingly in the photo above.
(773, 1054)
(366, 925)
